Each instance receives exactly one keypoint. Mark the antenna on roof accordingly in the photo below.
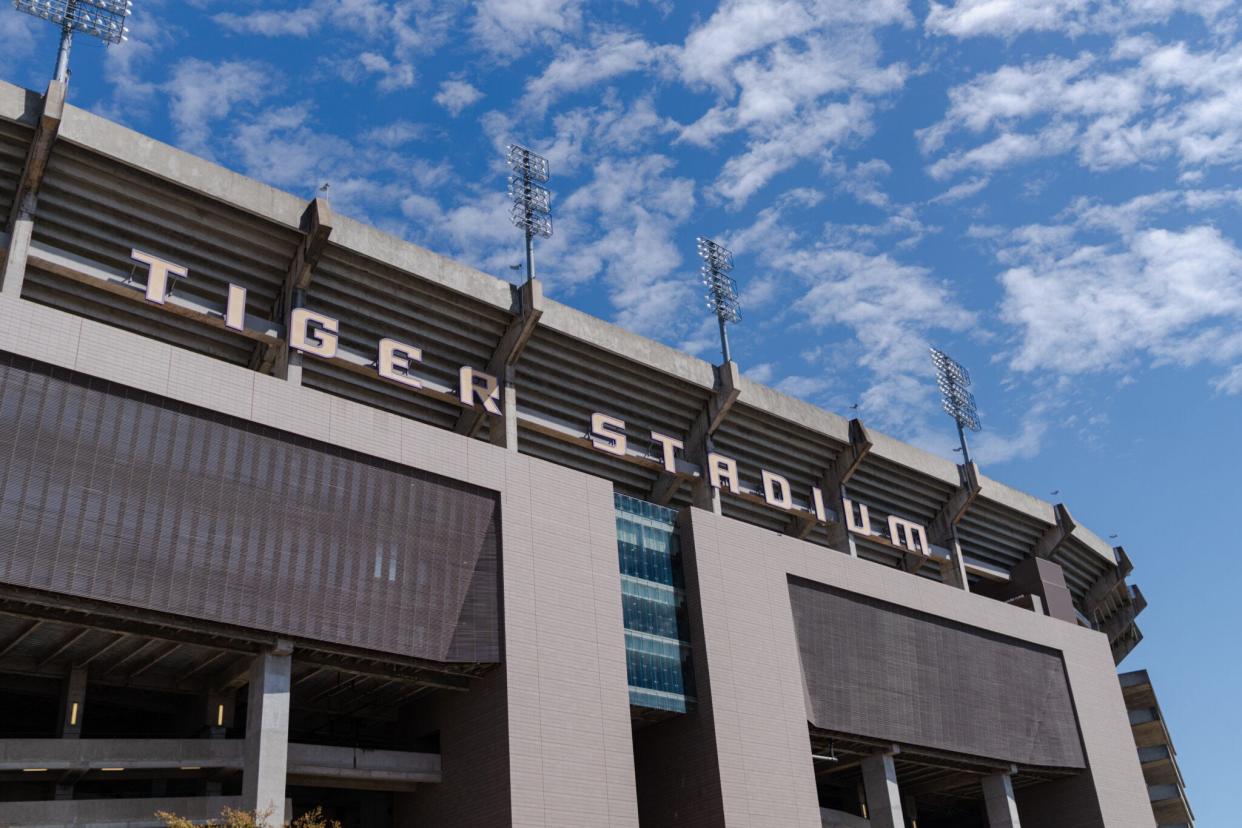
(958, 403)
(721, 289)
(104, 19)
(532, 204)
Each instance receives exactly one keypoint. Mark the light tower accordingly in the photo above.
(104, 19)
(958, 402)
(532, 204)
(721, 289)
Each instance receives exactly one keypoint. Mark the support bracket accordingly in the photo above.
(698, 441)
(1056, 534)
(316, 226)
(526, 315)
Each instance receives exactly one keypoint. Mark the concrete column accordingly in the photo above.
(267, 733)
(883, 795)
(289, 361)
(72, 714)
(504, 432)
(73, 704)
(998, 796)
(18, 249)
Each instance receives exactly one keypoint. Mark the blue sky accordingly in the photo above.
(1044, 189)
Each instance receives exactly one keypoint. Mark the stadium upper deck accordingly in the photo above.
(569, 384)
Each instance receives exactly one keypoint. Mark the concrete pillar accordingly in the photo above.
(289, 361)
(999, 799)
(73, 704)
(18, 249)
(883, 796)
(72, 714)
(267, 733)
(504, 431)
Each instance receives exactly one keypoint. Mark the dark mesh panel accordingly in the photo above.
(123, 496)
(879, 670)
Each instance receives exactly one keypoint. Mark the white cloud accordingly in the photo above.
(1110, 290)
(763, 372)
(574, 68)
(288, 22)
(393, 75)
(797, 76)
(868, 312)
(201, 93)
(281, 147)
(742, 27)
(805, 388)
(507, 27)
(771, 154)
(1170, 295)
(1145, 103)
(1007, 18)
(1231, 382)
(456, 95)
(961, 191)
(396, 134)
(989, 447)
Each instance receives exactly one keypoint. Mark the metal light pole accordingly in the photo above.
(958, 402)
(104, 19)
(721, 289)
(532, 204)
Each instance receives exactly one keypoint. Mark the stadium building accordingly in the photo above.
(296, 513)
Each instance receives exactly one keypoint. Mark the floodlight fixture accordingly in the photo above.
(956, 400)
(532, 203)
(103, 19)
(721, 288)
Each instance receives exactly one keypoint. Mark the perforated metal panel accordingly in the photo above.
(119, 495)
(882, 671)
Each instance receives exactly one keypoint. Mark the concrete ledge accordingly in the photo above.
(341, 767)
(324, 764)
(86, 754)
(111, 813)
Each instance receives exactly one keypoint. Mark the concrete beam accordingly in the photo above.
(330, 766)
(113, 813)
(20, 222)
(340, 767)
(833, 484)
(526, 315)
(316, 226)
(999, 800)
(940, 529)
(267, 733)
(12, 643)
(943, 528)
(883, 795)
(698, 441)
(1056, 534)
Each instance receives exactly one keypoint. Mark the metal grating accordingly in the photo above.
(121, 496)
(881, 671)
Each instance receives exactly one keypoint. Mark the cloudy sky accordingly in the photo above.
(1045, 188)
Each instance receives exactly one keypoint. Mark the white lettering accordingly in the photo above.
(394, 361)
(158, 272)
(474, 384)
(608, 434)
(313, 333)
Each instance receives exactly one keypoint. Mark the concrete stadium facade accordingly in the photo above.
(296, 513)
